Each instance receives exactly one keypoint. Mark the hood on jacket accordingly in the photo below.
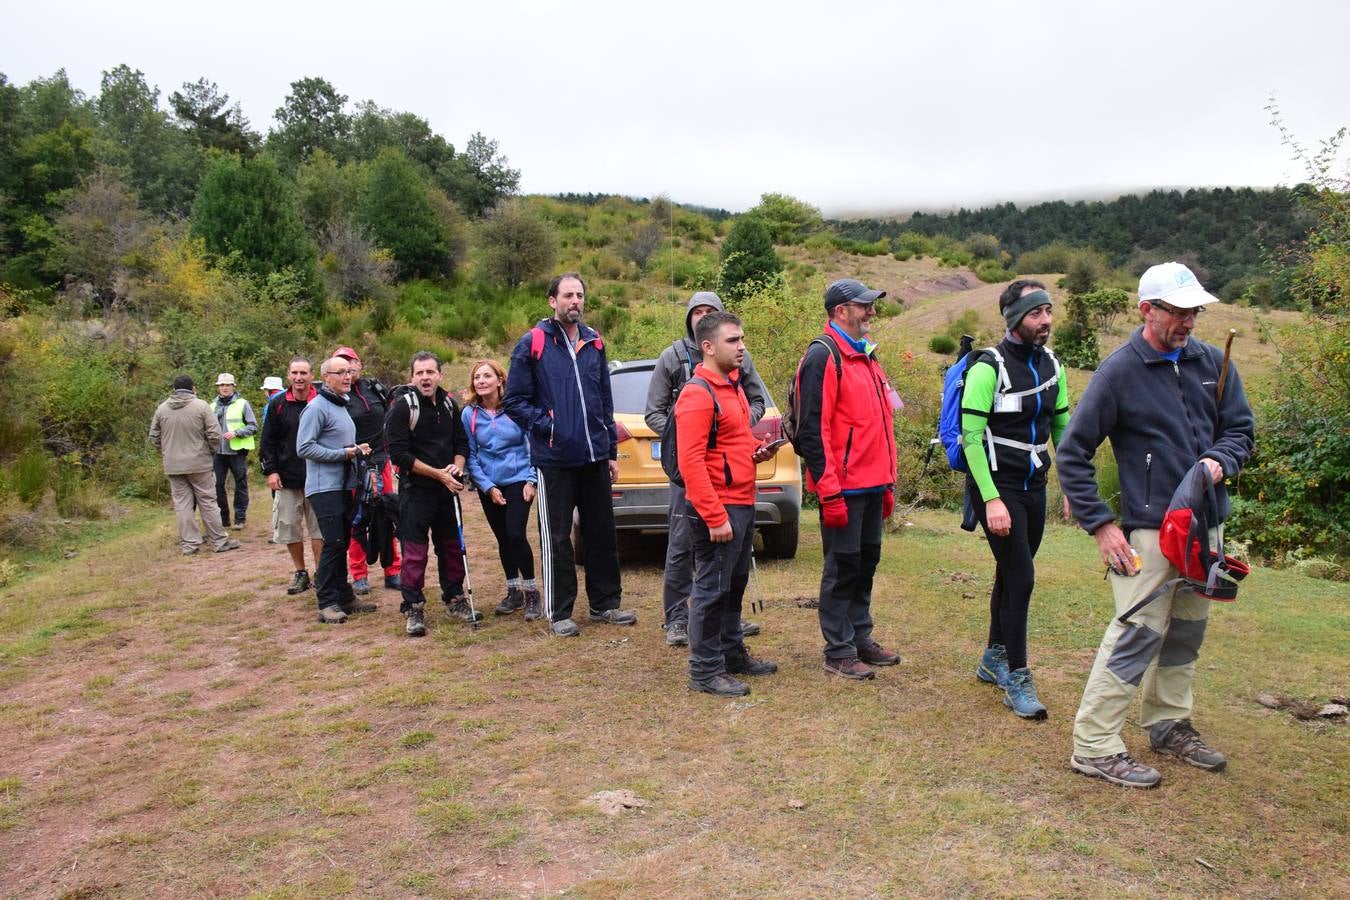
(181, 398)
(702, 298)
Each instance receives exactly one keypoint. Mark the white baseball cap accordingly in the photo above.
(224, 378)
(1174, 284)
(273, 383)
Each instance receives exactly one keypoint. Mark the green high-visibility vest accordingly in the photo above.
(234, 421)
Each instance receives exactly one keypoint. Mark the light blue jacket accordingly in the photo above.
(326, 431)
(498, 451)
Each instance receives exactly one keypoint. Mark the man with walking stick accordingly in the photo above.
(428, 444)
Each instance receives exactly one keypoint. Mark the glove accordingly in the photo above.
(888, 503)
(834, 511)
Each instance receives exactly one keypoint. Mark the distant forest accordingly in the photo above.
(1230, 235)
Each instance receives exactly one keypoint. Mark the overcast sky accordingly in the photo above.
(851, 106)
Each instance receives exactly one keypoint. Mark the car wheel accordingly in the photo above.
(780, 541)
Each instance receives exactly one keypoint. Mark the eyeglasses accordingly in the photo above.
(1177, 313)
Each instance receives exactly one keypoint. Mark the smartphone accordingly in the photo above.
(774, 445)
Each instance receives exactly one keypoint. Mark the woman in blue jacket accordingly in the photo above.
(499, 460)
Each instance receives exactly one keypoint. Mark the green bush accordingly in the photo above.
(902, 255)
(748, 260)
(916, 244)
(942, 344)
(1053, 257)
(991, 272)
(32, 472)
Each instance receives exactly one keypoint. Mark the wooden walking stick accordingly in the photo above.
(1223, 372)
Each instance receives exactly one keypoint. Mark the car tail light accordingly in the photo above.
(769, 428)
(621, 432)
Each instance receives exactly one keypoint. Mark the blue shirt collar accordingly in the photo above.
(860, 346)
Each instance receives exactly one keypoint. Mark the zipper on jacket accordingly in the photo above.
(1036, 378)
(848, 448)
(581, 394)
(1148, 479)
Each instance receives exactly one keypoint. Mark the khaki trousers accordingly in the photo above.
(202, 486)
(1154, 656)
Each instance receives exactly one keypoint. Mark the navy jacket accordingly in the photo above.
(563, 402)
(1161, 417)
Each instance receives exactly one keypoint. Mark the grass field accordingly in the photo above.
(178, 726)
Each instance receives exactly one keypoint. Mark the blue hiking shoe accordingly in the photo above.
(993, 667)
(1020, 695)
(361, 586)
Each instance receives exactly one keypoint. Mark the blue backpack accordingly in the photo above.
(954, 383)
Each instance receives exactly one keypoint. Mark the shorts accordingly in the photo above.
(289, 510)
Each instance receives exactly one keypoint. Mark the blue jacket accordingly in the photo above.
(561, 400)
(326, 431)
(498, 451)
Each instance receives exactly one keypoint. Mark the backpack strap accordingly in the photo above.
(473, 421)
(682, 352)
(536, 343)
(716, 410)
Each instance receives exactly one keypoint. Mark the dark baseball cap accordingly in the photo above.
(847, 290)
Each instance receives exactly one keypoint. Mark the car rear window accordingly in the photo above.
(630, 390)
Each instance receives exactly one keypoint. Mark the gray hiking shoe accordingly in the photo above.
(229, 545)
(748, 628)
(1118, 769)
(355, 607)
(677, 634)
(458, 607)
(189, 549)
(613, 616)
(1020, 695)
(1177, 737)
(565, 628)
(534, 606)
(719, 685)
(416, 626)
(512, 602)
(299, 584)
(332, 615)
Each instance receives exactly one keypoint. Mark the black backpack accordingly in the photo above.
(793, 414)
(670, 454)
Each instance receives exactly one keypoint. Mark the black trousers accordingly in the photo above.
(237, 465)
(333, 509)
(851, 557)
(423, 510)
(1014, 569)
(585, 491)
(508, 524)
(721, 572)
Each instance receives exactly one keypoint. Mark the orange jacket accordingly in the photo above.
(725, 475)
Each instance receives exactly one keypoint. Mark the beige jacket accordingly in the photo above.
(186, 433)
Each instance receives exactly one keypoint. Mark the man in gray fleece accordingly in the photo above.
(674, 367)
(1157, 399)
(326, 440)
(186, 433)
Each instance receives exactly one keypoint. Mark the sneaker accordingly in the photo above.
(534, 607)
(391, 583)
(361, 586)
(565, 628)
(748, 628)
(677, 634)
(742, 663)
(1020, 695)
(849, 667)
(719, 685)
(332, 615)
(229, 545)
(512, 602)
(614, 616)
(189, 549)
(459, 608)
(299, 584)
(874, 654)
(993, 667)
(1118, 769)
(416, 626)
(355, 607)
(1177, 737)
(238, 526)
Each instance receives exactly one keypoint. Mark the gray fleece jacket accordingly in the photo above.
(326, 431)
(676, 363)
(1161, 417)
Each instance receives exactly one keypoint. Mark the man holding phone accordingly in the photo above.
(674, 367)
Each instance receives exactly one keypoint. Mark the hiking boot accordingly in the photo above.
(565, 628)
(813, 603)
(354, 607)
(1020, 695)
(229, 545)
(740, 662)
(391, 583)
(332, 615)
(719, 685)
(677, 634)
(1118, 769)
(238, 526)
(534, 607)
(416, 626)
(874, 654)
(513, 601)
(189, 549)
(459, 608)
(748, 628)
(361, 586)
(1177, 737)
(299, 584)
(993, 667)
(614, 616)
(849, 667)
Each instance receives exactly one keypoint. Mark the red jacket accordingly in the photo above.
(846, 435)
(725, 475)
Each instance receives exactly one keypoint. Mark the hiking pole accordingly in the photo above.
(464, 555)
(1223, 372)
(759, 590)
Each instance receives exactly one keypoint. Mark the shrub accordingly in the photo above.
(914, 243)
(984, 247)
(942, 344)
(787, 219)
(886, 308)
(32, 472)
(991, 272)
(748, 259)
(1053, 257)
(517, 243)
(903, 255)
